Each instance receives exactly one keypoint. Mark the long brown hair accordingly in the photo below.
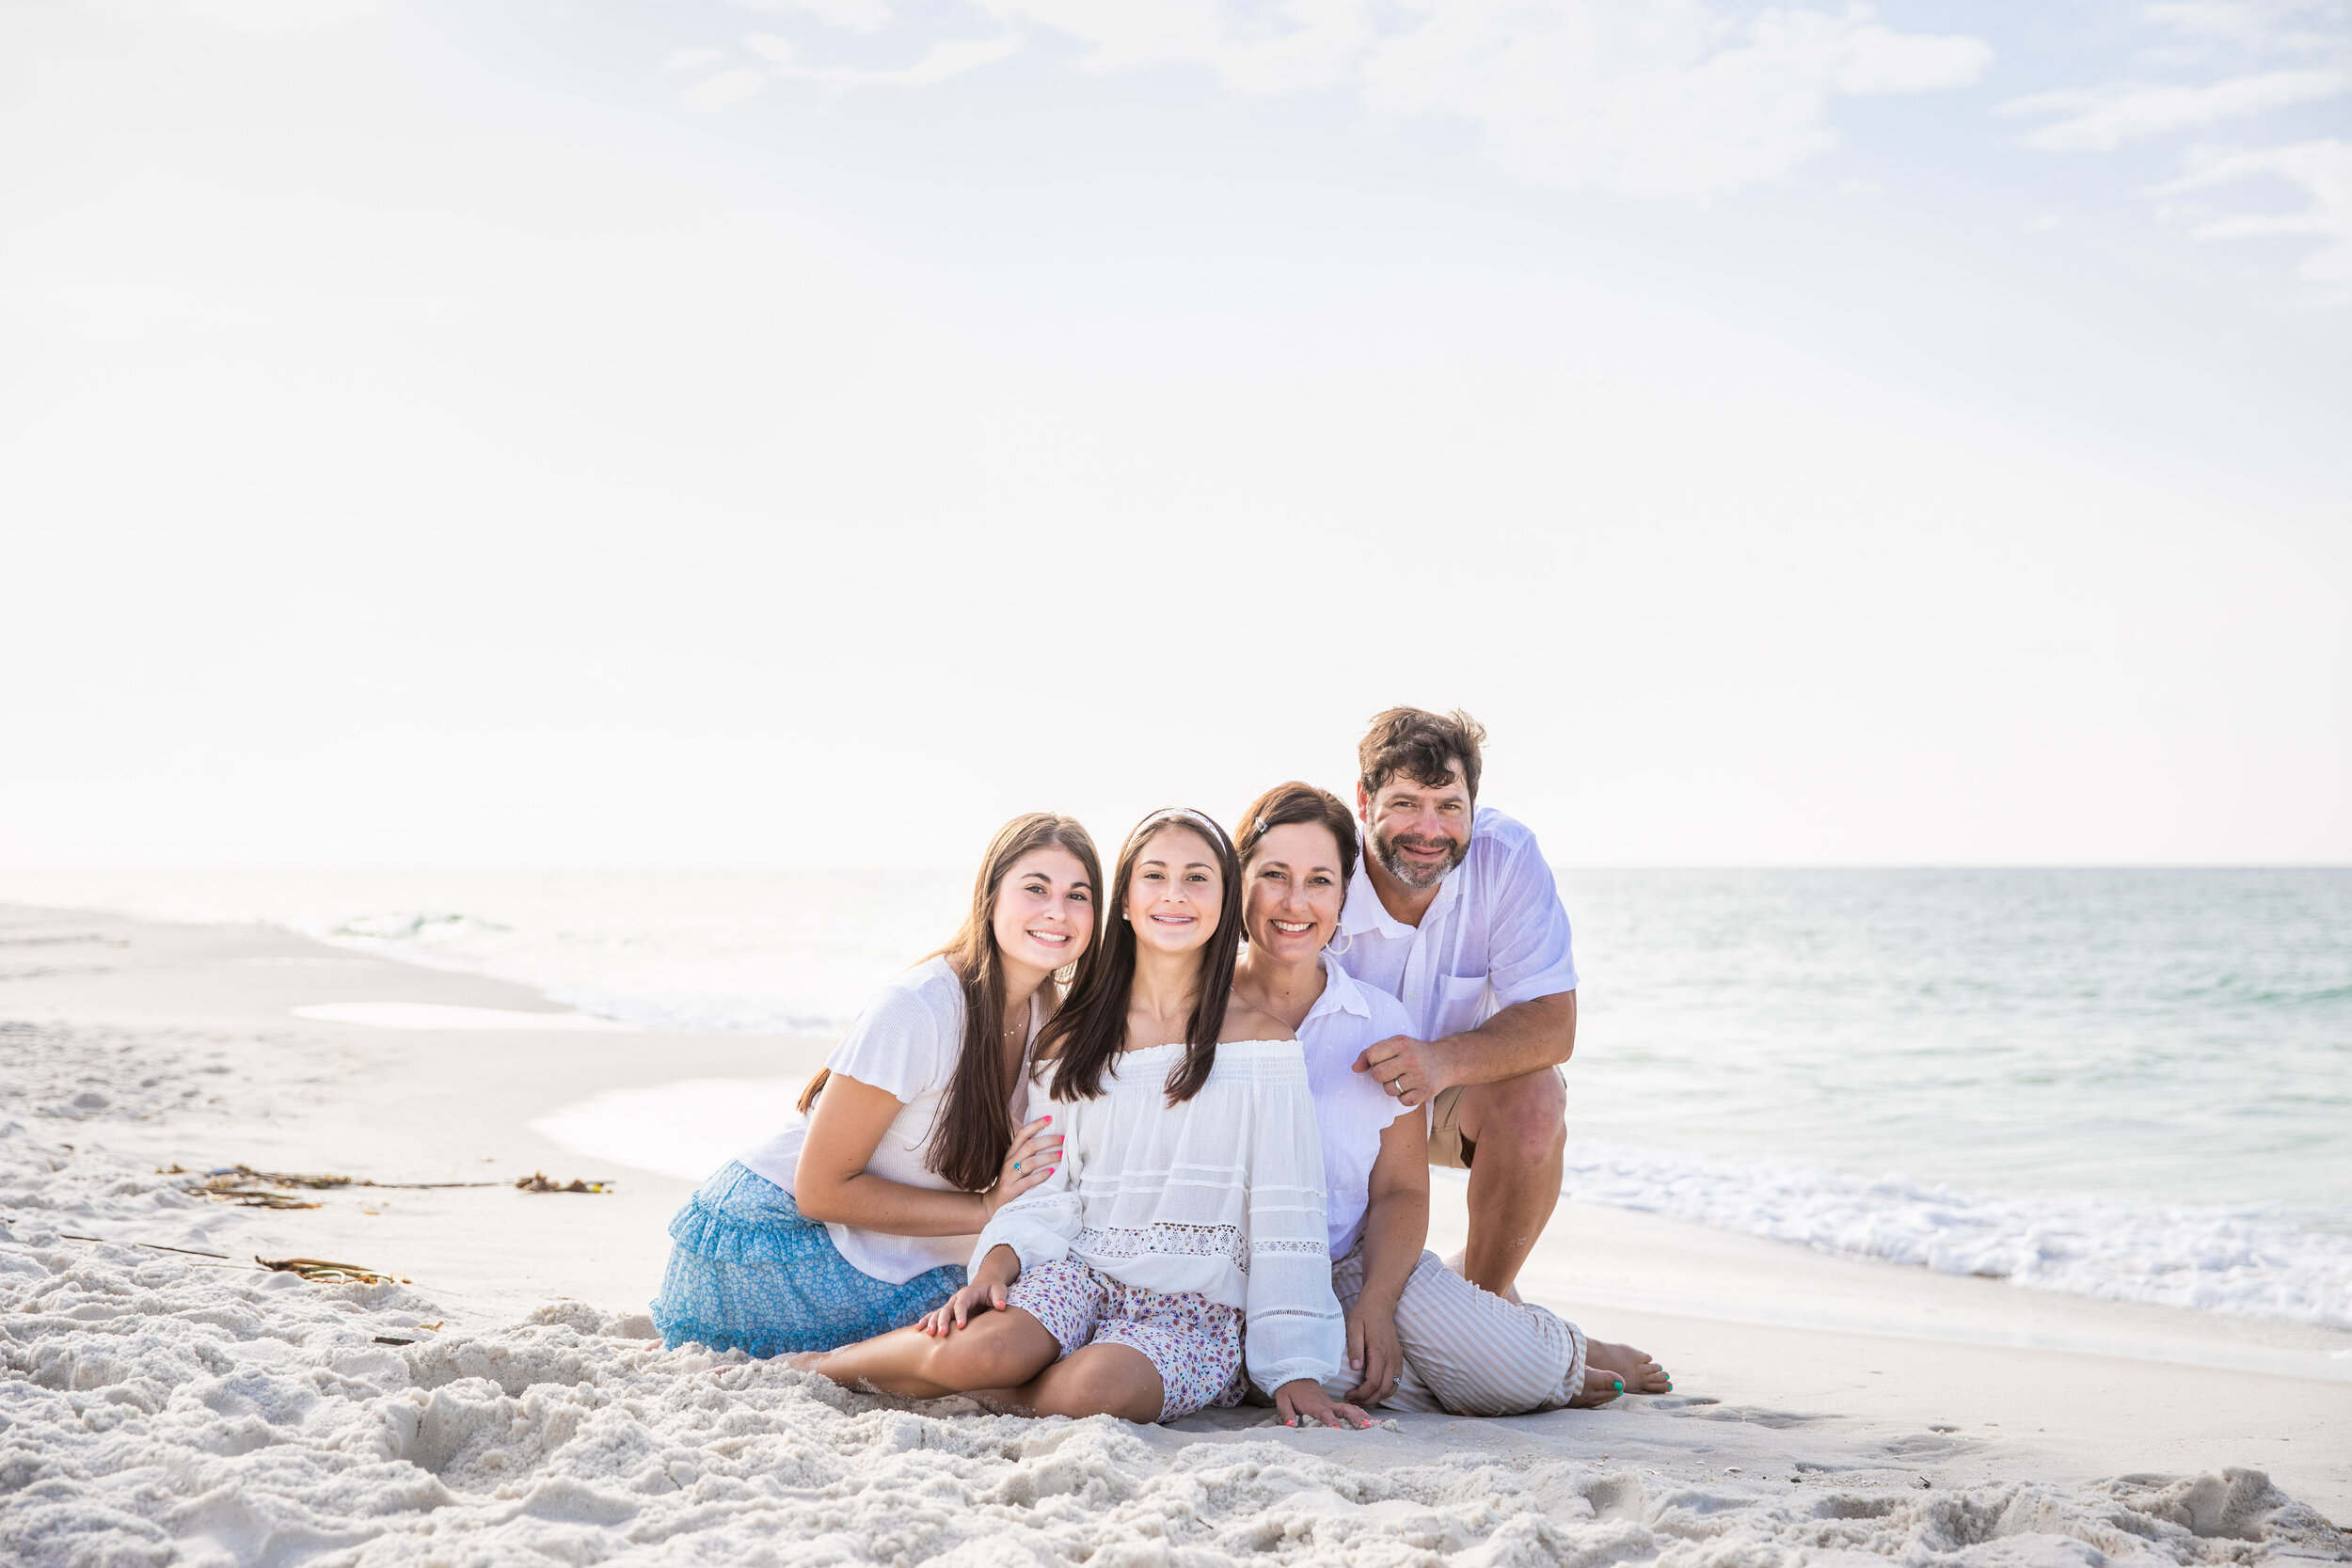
(974, 1123)
(1091, 1028)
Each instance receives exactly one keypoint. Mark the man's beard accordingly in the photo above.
(1385, 851)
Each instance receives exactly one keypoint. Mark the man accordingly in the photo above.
(1453, 912)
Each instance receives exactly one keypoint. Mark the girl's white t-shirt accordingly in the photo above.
(906, 1043)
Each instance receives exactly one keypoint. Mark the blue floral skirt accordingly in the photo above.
(749, 1273)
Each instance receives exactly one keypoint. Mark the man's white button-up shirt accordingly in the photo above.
(1495, 934)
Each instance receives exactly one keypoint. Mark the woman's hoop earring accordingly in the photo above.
(1338, 944)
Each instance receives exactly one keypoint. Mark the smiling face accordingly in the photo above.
(1176, 890)
(1417, 832)
(1294, 891)
(1044, 910)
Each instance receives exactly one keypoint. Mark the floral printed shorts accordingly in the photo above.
(1193, 1343)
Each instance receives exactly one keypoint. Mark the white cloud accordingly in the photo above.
(849, 16)
(278, 16)
(2324, 171)
(726, 89)
(941, 62)
(1860, 188)
(692, 59)
(1880, 61)
(2099, 119)
(1286, 46)
(2263, 27)
(1660, 98)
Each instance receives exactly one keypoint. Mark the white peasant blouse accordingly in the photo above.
(1221, 1195)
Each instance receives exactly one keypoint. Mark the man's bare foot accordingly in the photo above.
(1509, 1292)
(1642, 1375)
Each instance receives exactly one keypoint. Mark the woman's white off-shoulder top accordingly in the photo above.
(1221, 1195)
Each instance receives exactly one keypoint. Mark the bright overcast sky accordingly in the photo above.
(804, 431)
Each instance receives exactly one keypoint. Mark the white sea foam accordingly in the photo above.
(2212, 1259)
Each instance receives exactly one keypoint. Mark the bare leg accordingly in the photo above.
(1098, 1380)
(995, 1350)
(1517, 1125)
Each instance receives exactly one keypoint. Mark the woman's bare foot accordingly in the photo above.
(1642, 1375)
(1601, 1386)
(804, 1361)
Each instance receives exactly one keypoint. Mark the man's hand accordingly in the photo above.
(1413, 1071)
(1373, 1354)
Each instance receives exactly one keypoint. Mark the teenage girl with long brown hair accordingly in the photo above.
(859, 1216)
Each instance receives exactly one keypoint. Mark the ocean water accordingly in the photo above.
(2135, 1084)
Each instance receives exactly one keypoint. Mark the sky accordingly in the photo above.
(807, 432)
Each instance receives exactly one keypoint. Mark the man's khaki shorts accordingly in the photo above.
(1447, 1147)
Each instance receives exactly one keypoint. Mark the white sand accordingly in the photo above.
(161, 1407)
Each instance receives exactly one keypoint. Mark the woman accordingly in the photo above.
(1187, 1201)
(858, 1217)
(1419, 1335)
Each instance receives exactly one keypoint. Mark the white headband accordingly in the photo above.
(1186, 812)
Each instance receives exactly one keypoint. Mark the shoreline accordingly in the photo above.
(1784, 1363)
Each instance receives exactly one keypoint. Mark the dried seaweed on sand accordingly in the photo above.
(252, 1198)
(246, 1187)
(538, 1181)
(325, 1273)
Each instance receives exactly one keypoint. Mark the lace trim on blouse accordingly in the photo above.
(1178, 1241)
(1188, 1241)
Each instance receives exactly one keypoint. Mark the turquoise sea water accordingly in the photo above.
(2180, 1035)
